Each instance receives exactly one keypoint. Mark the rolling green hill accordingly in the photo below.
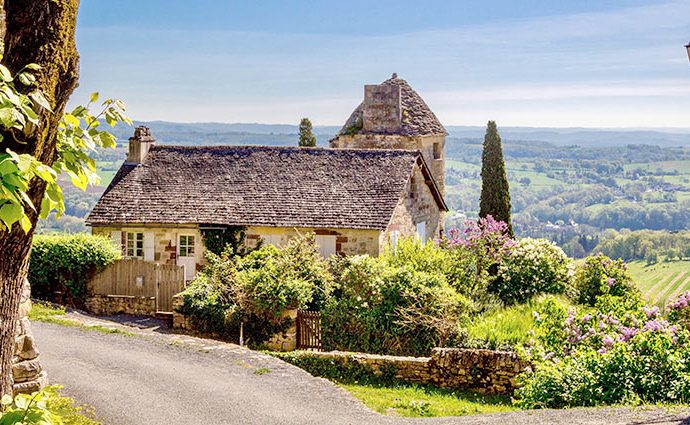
(661, 281)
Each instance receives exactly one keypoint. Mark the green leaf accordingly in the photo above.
(40, 100)
(6, 400)
(25, 223)
(5, 73)
(26, 78)
(11, 213)
(94, 97)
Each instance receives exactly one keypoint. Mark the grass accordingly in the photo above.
(662, 281)
(70, 412)
(48, 313)
(424, 401)
(506, 327)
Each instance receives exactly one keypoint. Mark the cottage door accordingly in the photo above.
(186, 255)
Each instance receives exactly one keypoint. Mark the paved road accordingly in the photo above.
(159, 379)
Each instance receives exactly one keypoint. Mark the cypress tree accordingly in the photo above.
(495, 198)
(306, 137)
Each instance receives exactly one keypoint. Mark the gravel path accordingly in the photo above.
(159, 378)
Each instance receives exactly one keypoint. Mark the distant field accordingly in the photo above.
(661, 281)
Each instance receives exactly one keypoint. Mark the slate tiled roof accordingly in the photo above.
(417, 117)
(260, 186)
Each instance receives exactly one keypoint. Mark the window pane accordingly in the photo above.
(183, 251)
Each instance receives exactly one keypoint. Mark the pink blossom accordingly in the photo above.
(610, 282)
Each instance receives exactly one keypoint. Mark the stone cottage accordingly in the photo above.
(379, 181)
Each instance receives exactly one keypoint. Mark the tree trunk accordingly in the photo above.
(40, 32)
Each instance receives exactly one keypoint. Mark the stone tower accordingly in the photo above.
(394, 116)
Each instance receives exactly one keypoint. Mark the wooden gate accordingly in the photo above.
(139, 278)
(308, 330)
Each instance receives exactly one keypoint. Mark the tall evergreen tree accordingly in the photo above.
(495, 198)
(306, 137)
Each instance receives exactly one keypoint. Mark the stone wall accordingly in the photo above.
(107, 305)
(347, 241)
(180, 321)
(417, 205)
(484, 371)
(165, 240)
(27, 372)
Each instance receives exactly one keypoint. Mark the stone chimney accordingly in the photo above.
(382, 108)
(139, 145)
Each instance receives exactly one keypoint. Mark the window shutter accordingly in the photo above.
(421, 231)
(149, 247)
(326, 245)
(116, 238)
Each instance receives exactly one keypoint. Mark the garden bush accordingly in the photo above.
(61, 265)
(613, 353)
(377, 306)
(653, 366)
(533, 266)
(256, 290)
(599, 275)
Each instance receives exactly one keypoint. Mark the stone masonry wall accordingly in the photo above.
(484, 371)
(107, 305)
(165, 240)
(27, 373)
(418, 205)
(347, 242)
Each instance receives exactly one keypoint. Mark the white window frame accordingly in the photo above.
(186, 245)
(134, 244)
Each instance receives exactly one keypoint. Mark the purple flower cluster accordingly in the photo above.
(681, 302)
(604, 331)
(487, 235)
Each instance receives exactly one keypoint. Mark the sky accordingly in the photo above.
(541, 63)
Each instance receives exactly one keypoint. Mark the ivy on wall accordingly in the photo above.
(217, 238)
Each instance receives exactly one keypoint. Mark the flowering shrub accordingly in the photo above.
(487, 238)
(591, 356)
(652, 366)
(376, 307)
(533, 266)
(599, 275)
(257, 289)
(679, 310)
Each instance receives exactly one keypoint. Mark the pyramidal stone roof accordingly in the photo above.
(260, 186)
(417, 117)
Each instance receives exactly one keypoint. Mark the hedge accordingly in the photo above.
(61, 265)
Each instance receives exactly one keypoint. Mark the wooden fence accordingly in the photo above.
(308, 330)
(139, 278)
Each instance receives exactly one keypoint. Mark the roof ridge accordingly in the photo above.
(270, 147)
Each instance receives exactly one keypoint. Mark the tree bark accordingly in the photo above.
(40, 32)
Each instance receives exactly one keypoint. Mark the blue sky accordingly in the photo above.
(576, 63)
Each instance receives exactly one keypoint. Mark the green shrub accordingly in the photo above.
(63, 264)
(533, 266)
(380, 307)
(599, 275)
(256, 290)
(654, 366)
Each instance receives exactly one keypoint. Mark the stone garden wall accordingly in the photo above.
(107, 305)
(484, 371)
(27, 373)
